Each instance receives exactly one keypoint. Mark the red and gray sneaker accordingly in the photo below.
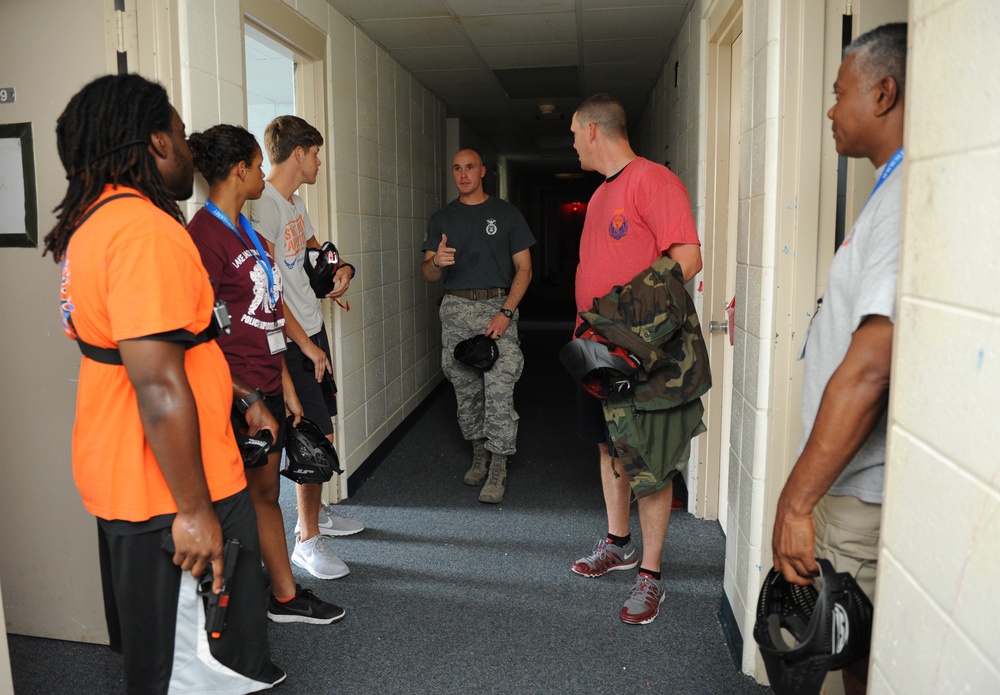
(643, 602)
(605, 557)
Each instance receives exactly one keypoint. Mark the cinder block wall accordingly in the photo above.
(938, 611)
(673, 128)
(383, 163)
(671, 132)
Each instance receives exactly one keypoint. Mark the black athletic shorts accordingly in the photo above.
(591, 427)
(318, 399)
(156, 620)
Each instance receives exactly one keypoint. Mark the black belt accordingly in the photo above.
(490, 293)
(113, 356)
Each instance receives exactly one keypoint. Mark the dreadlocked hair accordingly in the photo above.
(219, 149)
(103, 138)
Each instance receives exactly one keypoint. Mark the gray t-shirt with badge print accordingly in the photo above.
(485, 238)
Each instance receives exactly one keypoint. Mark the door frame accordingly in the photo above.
(723, 24)
(309, 46)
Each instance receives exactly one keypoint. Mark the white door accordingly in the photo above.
(48, 543)
(722, 204)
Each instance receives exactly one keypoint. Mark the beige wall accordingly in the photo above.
(940, 561)
(388, 164)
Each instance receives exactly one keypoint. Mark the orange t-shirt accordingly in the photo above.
(131, 271)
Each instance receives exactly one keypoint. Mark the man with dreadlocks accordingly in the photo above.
(154, 455)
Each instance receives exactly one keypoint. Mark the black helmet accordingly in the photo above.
(829, 627)
(321, 265)
(309, 456)
(479, 352)
(601, 368)
(254, 447)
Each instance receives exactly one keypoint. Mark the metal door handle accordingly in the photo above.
(716, 326)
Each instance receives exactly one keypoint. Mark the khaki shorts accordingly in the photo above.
(847, 532)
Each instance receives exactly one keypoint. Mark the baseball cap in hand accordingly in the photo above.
(479, 352)
(321, 265)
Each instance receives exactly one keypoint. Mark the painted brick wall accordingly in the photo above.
(384, 165)
(938, 611)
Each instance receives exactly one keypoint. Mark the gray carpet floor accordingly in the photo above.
(448, 595)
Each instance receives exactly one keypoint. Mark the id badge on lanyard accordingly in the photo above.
(276, 341)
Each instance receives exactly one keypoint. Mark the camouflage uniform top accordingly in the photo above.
(654, 318)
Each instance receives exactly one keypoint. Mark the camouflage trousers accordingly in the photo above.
(485, 399)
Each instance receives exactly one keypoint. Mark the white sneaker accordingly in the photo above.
(317, 558)
(332, 524)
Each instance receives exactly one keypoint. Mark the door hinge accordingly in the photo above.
(120, 26)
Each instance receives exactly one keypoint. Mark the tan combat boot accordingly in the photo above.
(480, 457)
(492, 492)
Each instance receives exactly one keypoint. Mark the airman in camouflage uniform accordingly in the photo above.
(479, 392)
(479, 245)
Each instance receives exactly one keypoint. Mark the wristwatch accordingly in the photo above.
(243, 404)
(508, 313)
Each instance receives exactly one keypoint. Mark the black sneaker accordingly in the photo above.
(306, 607)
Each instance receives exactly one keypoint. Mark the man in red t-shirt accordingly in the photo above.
(154, 455)
(640, 212)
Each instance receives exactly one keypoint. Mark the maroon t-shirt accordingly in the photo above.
(238, 278)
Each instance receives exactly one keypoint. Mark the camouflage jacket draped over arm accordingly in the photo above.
(653, 317)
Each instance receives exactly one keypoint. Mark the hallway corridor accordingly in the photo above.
(447, 595)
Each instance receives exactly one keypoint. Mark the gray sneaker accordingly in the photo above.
(643, 602)
(605, 557)
(332, 524)
(316, 557)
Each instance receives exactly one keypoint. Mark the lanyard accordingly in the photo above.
(261, 256)
(890, 167)
(887, 170)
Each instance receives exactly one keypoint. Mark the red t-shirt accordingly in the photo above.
(239, 279)
(631, 220)
(132, 271)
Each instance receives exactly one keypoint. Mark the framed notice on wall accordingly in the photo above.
(18, 209)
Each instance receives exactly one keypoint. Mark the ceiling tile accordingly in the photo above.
(636, 51)
(482, 106)
(456, 79)
(436, 58)
(471, 8)
(492, 91)
(492, 62)
(359, 10)
(531, 55)
(499, 30)
(529, 83)
(639, 23)
(413, 33)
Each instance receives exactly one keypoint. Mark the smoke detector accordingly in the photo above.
(547, 112)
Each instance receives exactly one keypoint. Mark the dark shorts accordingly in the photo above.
(155, 617)
(591, 427)
(276, 404)
(318, 399)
